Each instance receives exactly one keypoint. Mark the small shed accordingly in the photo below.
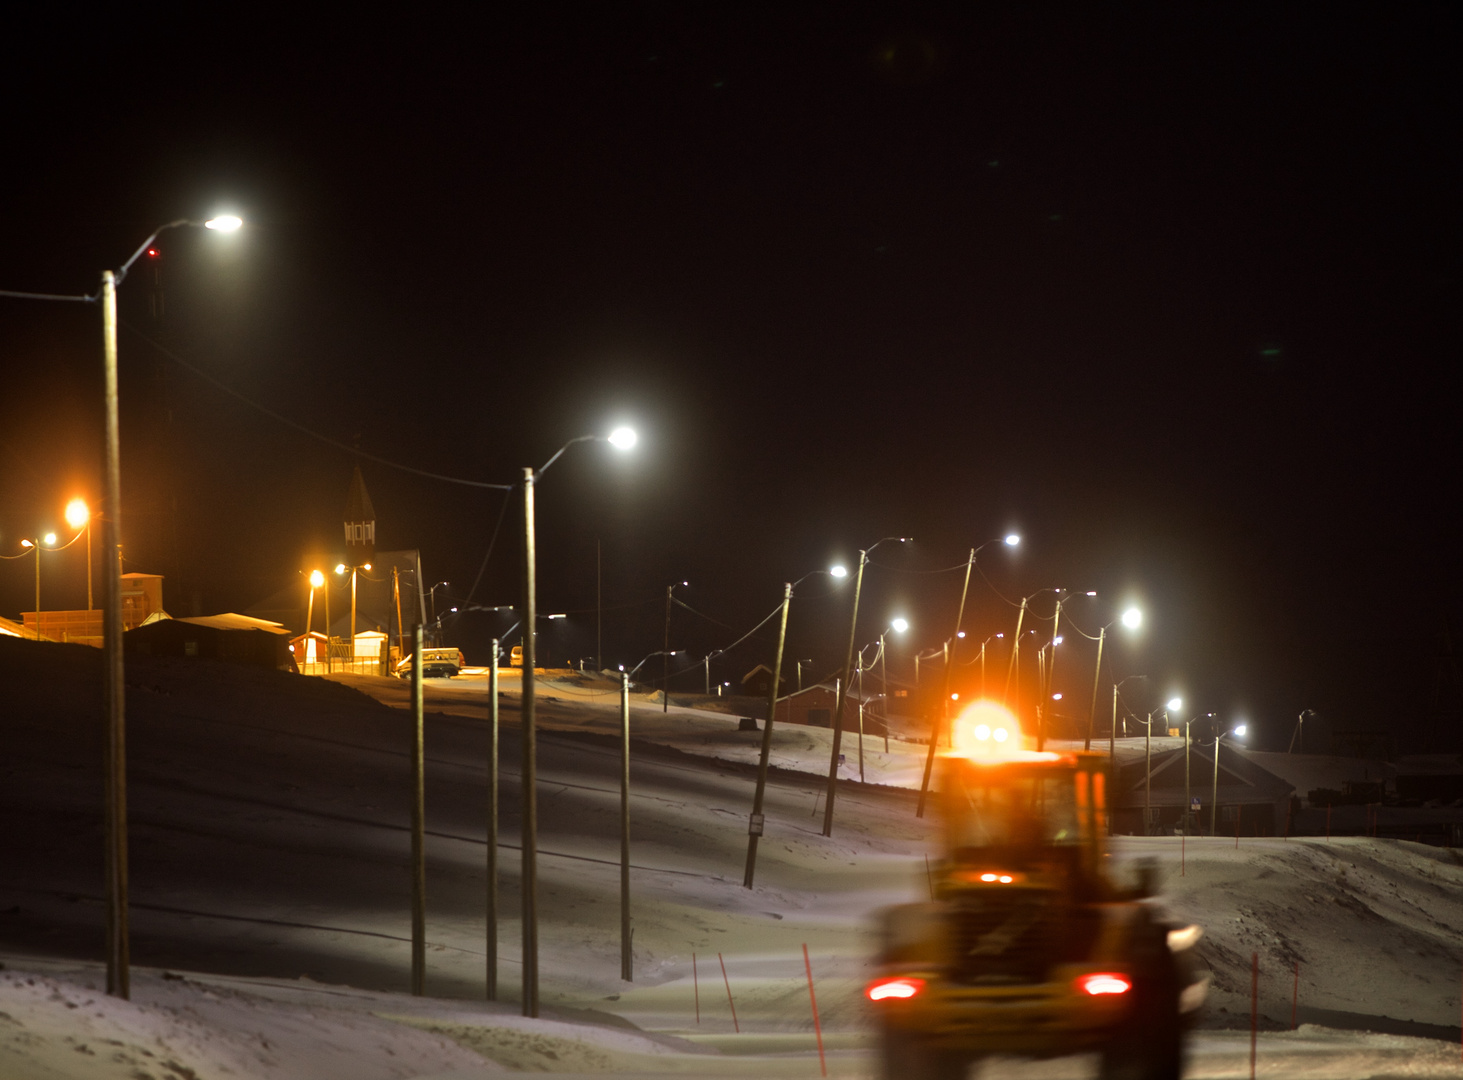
(815, 706)
(236, 639)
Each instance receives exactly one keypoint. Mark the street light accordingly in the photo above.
(341, 568)
(1011, 540)
(115, 685)
(49, 540)
(1132, 618)
(858, 585)
(754, 822)
(665, 664)
(78, 516)
(1238, 731)
(621, 438)
(1188, 740)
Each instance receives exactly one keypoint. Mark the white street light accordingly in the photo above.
(839, 571)
(623, 438)
(899, 625)
(1175, 703)
(1132, 618)
(1012, 540)
(223, 223)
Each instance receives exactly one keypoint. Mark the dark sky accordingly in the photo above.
(1172, 293)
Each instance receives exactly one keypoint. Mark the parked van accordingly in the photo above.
(515, 658)
(436, 663)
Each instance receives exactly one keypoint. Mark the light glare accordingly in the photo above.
(77, 513)
(900, 625)
(317, 579)
(223, 223)
(1012, 540)
(50, 539)
(1240, 731)
(838, 571)
(1175, 703)
(1132, 618)
(623, 438)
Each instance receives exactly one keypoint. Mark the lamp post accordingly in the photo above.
(665, 664)
(341, 569)
(78, 515)
(799, 664)
(1132, 618)
(317, 579)
(118, 960)
(1188, 725)
(49, 540)
(1175, 704)
(842, 696)
(755, 821)
(899, 626)
(1238, 731)
(622, 439)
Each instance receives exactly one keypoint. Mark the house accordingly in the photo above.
(814, 706)
(1251, 799)
(230, 637)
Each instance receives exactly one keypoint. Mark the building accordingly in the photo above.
(235, 639)
(814, 706)
(1251, 799)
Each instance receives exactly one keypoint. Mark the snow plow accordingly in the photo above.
(1028, 947)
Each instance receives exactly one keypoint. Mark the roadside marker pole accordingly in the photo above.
(1295, 996)
(729, 1000)
(929, 877)
(1254, 1007)
(817, 1026)
(696, 987)
(1183, 854)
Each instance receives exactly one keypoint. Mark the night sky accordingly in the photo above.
(1174, 294)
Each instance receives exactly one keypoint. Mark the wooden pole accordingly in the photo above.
(492, 867)
(627, 959)
(418, 826)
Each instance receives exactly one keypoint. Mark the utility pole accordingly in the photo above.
(755, 822)
(599, 609)
(1015, 651)
(1051, 679)
(665, 658)
(924, 787)
(858, 583)
(1096, 681)
(492, 867)
(530, 763)
(418, 825)
(627, 957)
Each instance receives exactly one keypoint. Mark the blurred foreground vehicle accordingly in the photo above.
(1028, 947)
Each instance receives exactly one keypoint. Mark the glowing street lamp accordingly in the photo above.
(49, 540)
(623, 439)
(858, 585)
(317, 579)
(115, 684)
(1238, 731)
(1011, 540)
(78, 516)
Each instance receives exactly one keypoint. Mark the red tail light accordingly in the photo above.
(1104, 982)
(893, 988)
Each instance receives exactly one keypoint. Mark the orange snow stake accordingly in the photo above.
(817, 1027)
(729, 1000)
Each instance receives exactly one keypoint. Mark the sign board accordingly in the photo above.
(1194, 803)
(754, 826)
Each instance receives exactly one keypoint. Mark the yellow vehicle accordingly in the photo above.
(1028, 947)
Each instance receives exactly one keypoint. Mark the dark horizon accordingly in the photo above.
(1174, 296)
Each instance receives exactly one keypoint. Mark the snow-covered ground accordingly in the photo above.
(269, 842)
